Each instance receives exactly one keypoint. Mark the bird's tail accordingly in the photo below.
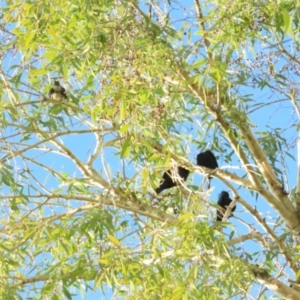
(220, 214)
(159, 190)
(209, 181)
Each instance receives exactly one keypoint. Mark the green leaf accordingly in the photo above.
(154, 157)
(29, 37)
(199, 63)
(67, 293)
(287, 21)
(178, 292)
(126, 147)
(38, 72)
(56, 109)
(113, 240)
(124, 128)
(123, 109)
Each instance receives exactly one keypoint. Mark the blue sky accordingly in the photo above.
(277, 115)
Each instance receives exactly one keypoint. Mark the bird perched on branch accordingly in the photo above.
(207, 159)
(173, 178)
(224, 202)
(57, 92)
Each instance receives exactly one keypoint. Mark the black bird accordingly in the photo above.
(57, 92)
(169, 182)
(207, 159)
(224, 202)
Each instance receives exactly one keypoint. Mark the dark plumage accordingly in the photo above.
(207, 159)
(57, 92)
(224, 202)
(169, 182)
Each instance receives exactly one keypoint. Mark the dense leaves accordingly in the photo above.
(149, 86)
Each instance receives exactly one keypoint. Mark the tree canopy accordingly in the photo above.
(149, 85)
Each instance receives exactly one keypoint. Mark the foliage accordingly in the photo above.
(150, 85)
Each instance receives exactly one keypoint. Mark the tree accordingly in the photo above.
(149, 86)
